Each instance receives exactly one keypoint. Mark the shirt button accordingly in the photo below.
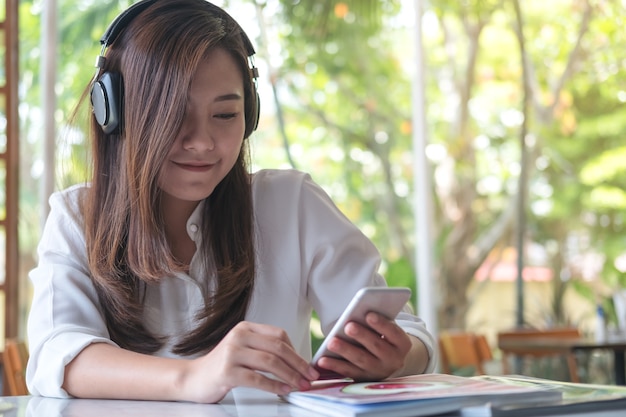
(193, 228)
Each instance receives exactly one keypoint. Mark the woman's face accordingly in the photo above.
(211, 135)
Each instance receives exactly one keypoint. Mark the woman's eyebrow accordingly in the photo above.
(218, 99)
(226, 97)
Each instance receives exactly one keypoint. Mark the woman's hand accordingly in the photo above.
(385, 350)
(243, 358)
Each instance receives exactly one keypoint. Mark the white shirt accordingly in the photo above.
(309, 257)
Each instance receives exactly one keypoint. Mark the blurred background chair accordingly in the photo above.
(463, 353)
(14, 361)
(534, 344)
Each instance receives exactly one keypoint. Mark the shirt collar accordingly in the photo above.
(194, 223)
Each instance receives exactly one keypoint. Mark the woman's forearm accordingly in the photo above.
(105, 371)
(242, 359)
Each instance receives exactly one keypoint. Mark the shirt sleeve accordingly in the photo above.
(342, 260)
(65, 316)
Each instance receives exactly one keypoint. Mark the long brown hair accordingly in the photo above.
(157, 56)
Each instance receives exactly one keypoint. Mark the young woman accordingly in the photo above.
(175, 274)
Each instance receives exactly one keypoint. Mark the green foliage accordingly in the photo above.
(400, 273)
(351, 101)
(329, 21)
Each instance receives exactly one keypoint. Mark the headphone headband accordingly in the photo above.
(121, 21)
(124, 19)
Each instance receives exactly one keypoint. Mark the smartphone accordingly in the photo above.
(387, 301)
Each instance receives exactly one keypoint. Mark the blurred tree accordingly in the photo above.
(353, 106)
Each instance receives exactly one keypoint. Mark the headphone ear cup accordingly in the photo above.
(106, 102)
(253, 109)
(258, 110)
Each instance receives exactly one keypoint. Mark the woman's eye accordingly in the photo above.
(226, 115)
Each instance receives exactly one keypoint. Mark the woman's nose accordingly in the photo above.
(200, 138)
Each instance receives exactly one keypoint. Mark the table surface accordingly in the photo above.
(241, 402)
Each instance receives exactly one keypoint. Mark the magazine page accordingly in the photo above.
(441, 392)
(418, 387)
(576, 397)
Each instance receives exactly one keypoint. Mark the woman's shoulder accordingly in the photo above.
(275, 183)
(63, 230)
(71, 194)
(68, 200)
(278, 178)
(280, 189)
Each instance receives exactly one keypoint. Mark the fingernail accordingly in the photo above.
(312, 373)
(374, 317)
(304, 384)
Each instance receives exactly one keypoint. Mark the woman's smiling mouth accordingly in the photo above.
(194, 166)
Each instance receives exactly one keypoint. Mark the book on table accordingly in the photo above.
(415, 395)
(576, 398)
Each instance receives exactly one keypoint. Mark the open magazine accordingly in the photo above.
(415, 395)
(577, 398)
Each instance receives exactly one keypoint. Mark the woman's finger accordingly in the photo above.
(276, 344)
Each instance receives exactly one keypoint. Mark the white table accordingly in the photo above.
(241, 403)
